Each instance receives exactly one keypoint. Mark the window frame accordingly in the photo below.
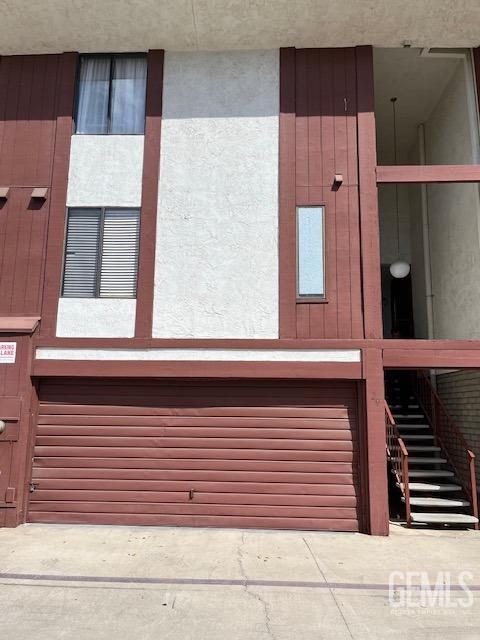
(311, 299)
(137, 54)
(98, 268)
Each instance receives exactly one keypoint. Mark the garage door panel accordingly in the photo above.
(77, 411)
(193, 455)
(108, 500)
(272, 454)
(171, 508)
(161, 422)
(313, 524)
(241, 436)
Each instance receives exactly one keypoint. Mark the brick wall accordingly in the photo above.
(460, 392)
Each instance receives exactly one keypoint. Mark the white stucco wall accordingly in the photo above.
(96, 318)
(105, 171)
(216, 273)
(454, 213)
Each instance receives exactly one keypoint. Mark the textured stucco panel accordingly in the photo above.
(96, 318)
(217, 235)
(105, 171)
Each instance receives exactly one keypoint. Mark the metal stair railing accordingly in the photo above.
(449, 437)
(398, 455)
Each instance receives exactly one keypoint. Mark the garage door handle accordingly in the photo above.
(190, 494)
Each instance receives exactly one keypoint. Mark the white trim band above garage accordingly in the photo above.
(223, 355)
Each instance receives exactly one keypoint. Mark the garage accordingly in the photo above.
(265, 454)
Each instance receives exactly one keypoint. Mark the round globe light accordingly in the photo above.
(399, 269)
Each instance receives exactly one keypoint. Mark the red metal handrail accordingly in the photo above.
(398, 454)
(449, 437)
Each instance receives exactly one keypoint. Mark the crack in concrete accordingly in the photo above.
(340, 611)
(252, 594)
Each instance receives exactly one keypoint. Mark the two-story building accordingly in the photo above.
(200, 206)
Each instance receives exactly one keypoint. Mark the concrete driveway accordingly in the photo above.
(82, 582)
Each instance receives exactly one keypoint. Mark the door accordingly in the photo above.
(272, 454)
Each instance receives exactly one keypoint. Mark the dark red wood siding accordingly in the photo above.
(239, 453)
(36, 94)
(318, 139)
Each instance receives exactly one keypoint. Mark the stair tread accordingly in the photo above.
(422, 436)
(419, 501)
(424, 460)
(433, 473)
(404, 416)
(426, 447)
(447, 518)
(431, 486)
(412, 426)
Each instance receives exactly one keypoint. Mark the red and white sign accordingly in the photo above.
(8, 351)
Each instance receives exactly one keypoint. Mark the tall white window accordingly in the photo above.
(310, 253)
(111, 94)
(101, 253)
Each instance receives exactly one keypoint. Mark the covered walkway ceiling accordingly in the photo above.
(51, 26)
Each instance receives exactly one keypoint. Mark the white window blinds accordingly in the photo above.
(101, 253)
(118, 274)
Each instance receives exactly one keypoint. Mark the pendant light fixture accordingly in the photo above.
(399, 268)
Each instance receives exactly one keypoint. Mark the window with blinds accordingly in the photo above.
(101, 253)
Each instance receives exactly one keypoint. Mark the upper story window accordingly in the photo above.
(101, 253)
(111, 94)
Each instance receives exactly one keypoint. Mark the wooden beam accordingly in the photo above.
(428, 173)
(376, 468)
(197, 369)
(151, 170)
(369, 221)
(431, 358)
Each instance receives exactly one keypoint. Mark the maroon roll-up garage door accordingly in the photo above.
(243, 454)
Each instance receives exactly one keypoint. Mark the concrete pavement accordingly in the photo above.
(82, 582)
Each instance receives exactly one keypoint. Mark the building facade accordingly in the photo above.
(191, 317)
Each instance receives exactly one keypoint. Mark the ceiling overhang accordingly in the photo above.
(53, 26)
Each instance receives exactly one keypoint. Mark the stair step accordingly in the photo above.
(428, 487)
(423, 460)
(404, 416)
(400, 427)
(423, 436)
(402, 406)
(425, 448)
(437, 502)
(431, 473)
(443, 518)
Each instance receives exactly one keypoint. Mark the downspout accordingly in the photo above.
(426, 238)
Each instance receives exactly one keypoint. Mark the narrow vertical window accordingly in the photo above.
(310, 253)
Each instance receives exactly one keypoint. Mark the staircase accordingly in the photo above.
(438, 487)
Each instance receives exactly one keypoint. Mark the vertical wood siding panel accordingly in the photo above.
(331, 241)
(58, 198)
(326, 143)
(7, 160)
(355, 266)
(27, 125)
(328, 116)
(303, 321)
(314, 94)
(302, 118)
